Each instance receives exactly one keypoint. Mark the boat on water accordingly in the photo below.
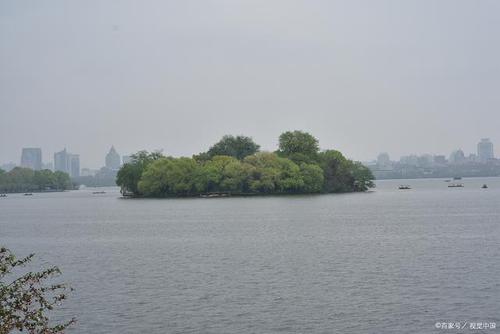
(456, 185)
(457, 178)
(447, 180)
(98, 192)
(404, 187)
(3, 195)
(485, 186)
(28, 194)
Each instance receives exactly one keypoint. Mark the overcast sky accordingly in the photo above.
(402, 76)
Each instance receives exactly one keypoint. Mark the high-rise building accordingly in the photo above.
(113, 160)
(67, 163)
(74, 165)
(485, 150)
(61, 161)
(31, 158)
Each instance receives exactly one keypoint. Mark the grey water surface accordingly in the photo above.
(386, 261)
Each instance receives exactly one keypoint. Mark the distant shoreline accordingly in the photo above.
(34, 191)
(434, 178)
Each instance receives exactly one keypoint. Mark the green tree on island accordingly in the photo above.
(130, 174)
(222, 174)
(298, 146)
(169, 176)
(234, 166)
(343, 175)
(274, 174)
(238, 147)
(313, 178)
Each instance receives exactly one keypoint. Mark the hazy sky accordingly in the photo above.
(400, 76)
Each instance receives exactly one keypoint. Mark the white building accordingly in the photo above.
(113, 160)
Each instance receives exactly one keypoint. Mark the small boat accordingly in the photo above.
(404, 187)
(485, 186)
(3, 195)
(98, 192)
(456, 185)
(457, 178)
(28, 194)
(447, 180)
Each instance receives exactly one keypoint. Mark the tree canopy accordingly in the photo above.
(234, 166)
(298, 146)
(169, 176)
(238, 147)
(129, 175)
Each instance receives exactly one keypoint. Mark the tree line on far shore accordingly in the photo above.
(22, 179)
(234, 165)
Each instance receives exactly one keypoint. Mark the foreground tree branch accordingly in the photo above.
(26, 300)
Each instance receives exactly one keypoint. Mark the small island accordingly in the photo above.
(236, 166)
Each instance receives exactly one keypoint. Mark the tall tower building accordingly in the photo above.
(113, 160)
(67, 163)
(61, 161)
(31, 157)
(485, 150)
(74, 165)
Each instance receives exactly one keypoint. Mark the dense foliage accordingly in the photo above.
(129, 175)
(25, 179)
(238, 147)
(25, 301)
(234, 166)
(298, 146)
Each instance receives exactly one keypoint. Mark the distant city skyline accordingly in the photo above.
(50, 160)
(470, 147)
(467, 147)
(484, 150)
(482, 162)
(64, 161)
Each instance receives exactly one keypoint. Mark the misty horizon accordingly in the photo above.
(47, 158)
(363, 77)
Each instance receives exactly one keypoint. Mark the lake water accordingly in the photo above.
(387, 261)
